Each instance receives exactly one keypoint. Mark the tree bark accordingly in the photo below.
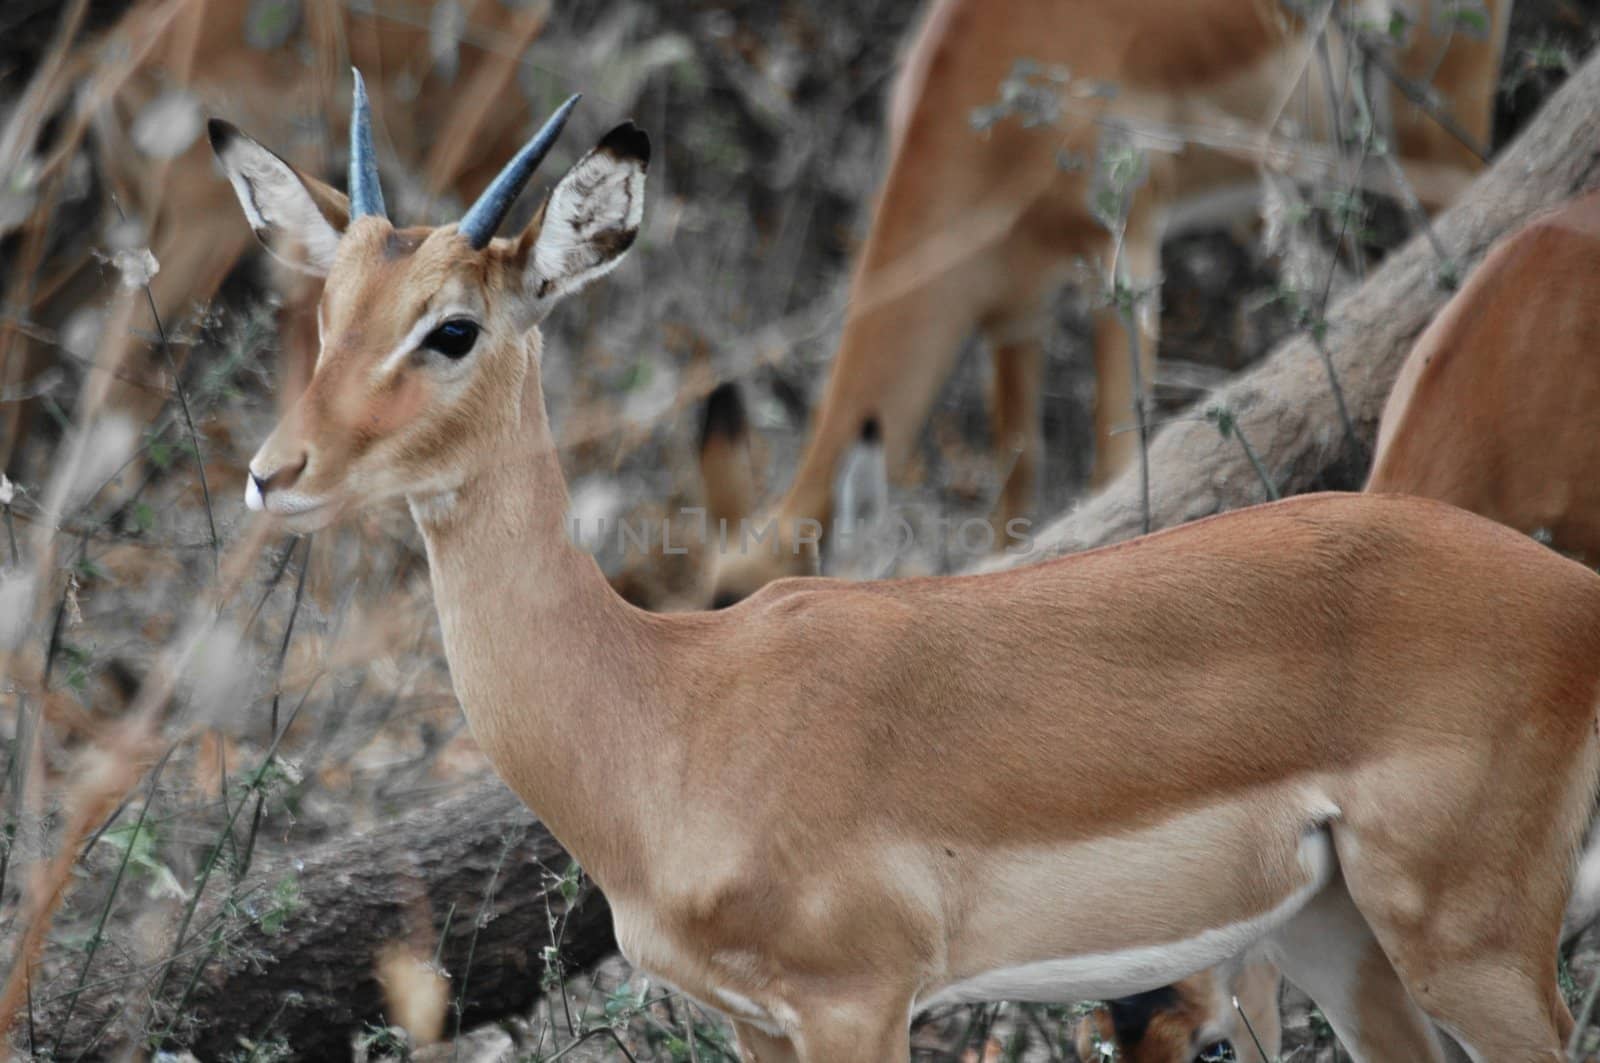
(1285, 407)
(315, 981)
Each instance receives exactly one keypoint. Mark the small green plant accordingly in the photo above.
(384, 1042)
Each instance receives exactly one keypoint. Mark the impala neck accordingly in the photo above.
(549, 664)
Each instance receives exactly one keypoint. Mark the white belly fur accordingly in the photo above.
(1113, 974)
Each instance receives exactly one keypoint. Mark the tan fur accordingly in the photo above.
(845, 799)
(1494, 410)
(973, 231)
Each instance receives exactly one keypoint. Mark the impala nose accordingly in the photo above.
(258, 482)
(255, 489)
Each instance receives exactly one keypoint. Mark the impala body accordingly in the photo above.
(839, 802)
(975, 230)
(1494, 409)
(1493, 412)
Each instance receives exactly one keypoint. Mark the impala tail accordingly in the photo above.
(663, 583)
(726, 468)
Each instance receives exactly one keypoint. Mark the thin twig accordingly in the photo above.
(1357, 448)
(1250, 1029)
(506, 844)
(188, 418)
(1125, 302)
(96, 935)
(1228, 425)
(215, 852)
(1420, 96)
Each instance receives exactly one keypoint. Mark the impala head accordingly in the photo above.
(427, 334)
(1167, 1025)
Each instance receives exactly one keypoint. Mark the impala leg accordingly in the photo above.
(1329, 950)
(1476, 947)
(1257, 990)
(1116, 439)
(1499, 1011)
(1500, 1003)
(1018, 378)
(757, 1046)
(864, 1029)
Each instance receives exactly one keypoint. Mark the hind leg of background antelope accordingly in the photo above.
(1116, 436)
(1018, 380)
(1256, 989)
(1329, 951)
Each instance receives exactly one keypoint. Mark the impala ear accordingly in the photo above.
(589, 221)
(297, 217)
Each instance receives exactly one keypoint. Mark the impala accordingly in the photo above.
(975, 231)
(1492, 411)
(1196, 1018)
(840, 802)
(1231, 1006)
(1494, 408)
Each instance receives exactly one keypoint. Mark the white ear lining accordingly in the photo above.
(591, 220)
(277, 204)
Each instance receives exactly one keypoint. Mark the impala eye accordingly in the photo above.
(453, 339)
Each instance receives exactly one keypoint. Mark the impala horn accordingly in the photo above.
(366, 196)
(480, 222)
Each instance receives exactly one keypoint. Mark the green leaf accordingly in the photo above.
(284, 902)
(1223, 418)
(570, 883)
(138, 837)
(160, 453)
(638, 376)
(1474, 18)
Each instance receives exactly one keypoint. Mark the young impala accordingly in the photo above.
(840, 802)
(973, 231)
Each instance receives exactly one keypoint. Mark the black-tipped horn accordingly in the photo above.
(480, 223)
(366, 196)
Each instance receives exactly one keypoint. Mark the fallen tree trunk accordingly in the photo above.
(315, 983)
(317, 976)
(1285, 408)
